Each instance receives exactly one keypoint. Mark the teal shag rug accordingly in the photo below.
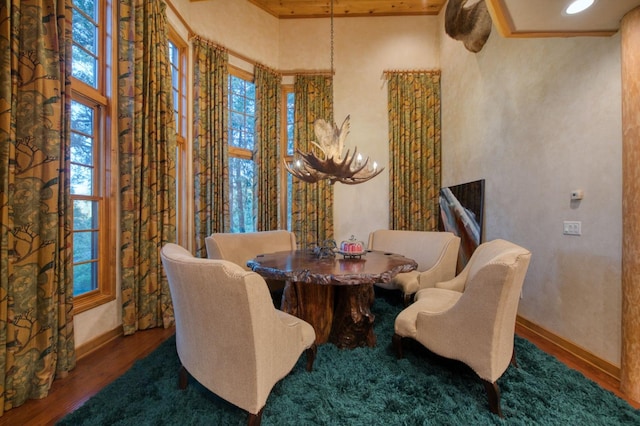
(365, 386)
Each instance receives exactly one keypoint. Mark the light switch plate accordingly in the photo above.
(572, 227)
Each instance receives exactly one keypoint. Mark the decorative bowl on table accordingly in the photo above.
(326, 250)
(352, 248)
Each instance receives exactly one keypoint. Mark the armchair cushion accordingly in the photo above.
(239, 248)
(430, 300)
(478, 260)
(229, 336)
(242, 247)
(472, 318)
(435, 252)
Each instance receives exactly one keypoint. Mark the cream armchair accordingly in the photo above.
(229, 336)
(472, 317)
(242, 247)
(435, 252)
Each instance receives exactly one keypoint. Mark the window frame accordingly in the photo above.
(285, 207)
(181, 134)
(234, 151)
(98, 99)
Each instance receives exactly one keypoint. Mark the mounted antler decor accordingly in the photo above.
(471, 25)
(330, 141)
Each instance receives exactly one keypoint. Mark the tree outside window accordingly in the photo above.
(90, 157)
(242, 107)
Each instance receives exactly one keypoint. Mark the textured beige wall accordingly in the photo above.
(538, 118)
(235, 24)
(364, 49)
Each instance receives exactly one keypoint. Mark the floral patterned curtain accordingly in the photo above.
(312, 204)
(147, 163)
(36, 292)
(414, 150)
(268, 99)
(210, 150)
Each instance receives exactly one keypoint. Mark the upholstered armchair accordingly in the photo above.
(472, 317)
(242, 247)
(435, 252)
(229, 336)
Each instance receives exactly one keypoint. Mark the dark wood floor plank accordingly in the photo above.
(92, 373)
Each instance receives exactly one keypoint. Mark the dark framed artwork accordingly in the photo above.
(461, 212)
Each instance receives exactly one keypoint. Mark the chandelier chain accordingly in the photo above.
(331, 12)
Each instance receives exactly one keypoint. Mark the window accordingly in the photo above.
(178, 59)
(242, 108)
(86, 41)
(288, 99)
(86, 204)
(93, 238)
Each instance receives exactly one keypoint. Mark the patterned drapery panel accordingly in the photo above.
(268, 99)
(147, 142)
(414, 150)
(210, 150)
(312, 203)
(36, 311)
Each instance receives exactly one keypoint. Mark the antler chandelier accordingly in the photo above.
(350, 169)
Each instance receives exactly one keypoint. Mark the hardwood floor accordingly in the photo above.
(101, 367)
(93, 372)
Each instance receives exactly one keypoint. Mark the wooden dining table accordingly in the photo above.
(333, 294)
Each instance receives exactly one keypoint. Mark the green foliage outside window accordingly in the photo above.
(85, 211)
(242, 108)
(85, 41)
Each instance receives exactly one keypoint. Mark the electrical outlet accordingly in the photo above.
(572, 227)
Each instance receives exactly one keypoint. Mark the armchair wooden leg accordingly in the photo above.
(514, 361)
(396, 342)
(255, 419)
(183, 378)
(311, 356)
(493, 392)
(406, 299)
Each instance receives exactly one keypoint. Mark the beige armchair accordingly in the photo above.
(242, 247)
(229, 336)
(472, 317)
(435, 252)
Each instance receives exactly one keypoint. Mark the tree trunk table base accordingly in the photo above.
(312, 303)
(339, 314)
(352, 318)
(333, 294)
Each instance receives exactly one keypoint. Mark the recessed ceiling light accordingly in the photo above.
(578, 6)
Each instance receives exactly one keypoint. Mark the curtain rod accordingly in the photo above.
(226, 49)
(306, 72)
(387, 73)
